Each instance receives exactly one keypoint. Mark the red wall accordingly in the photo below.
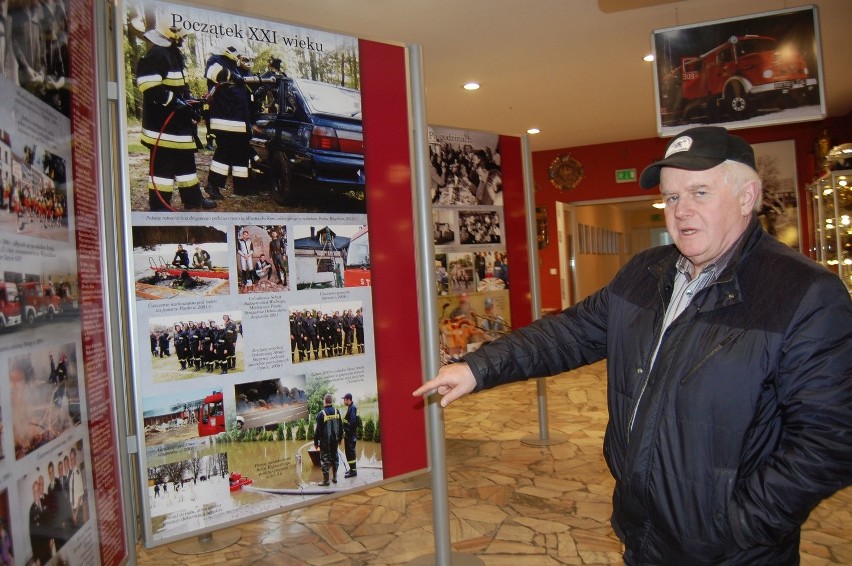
(600, 162)
(394, 274)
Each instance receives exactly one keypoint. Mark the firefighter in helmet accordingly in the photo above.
(169, 122)
(230, 120)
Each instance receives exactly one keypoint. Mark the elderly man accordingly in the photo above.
(729, 371)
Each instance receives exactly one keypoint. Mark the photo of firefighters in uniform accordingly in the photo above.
(33, 189)
(205, 343)
(324, 331)
(54, 497)
(172, 262)
(201, 107)
(44, 388)
(262, 259)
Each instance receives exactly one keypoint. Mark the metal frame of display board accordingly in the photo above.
(126, 340)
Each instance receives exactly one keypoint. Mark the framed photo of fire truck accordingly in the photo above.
(740, 73)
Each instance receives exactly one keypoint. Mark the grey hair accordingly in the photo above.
(737, 175)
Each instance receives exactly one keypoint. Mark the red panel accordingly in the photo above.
(514, 215)
(392, 254)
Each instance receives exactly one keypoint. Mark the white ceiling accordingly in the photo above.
(573, 68)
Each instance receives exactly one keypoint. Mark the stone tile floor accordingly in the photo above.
(510, 503)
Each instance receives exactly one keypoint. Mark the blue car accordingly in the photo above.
(312, 137)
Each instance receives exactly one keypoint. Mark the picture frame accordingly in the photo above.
(743, 72)
(779, 214)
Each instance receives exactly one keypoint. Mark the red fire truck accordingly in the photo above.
(211, 419)
(26, 302)
(10, 305)
(745, 74)
(357, 273)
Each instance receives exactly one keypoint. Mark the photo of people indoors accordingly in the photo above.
(55, 498)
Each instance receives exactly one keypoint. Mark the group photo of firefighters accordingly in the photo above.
(193, 100)
(33, 192)
(325, 331)
(184, 349)
(262, 264)
(55, 499)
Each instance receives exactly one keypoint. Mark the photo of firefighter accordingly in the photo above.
(33, 191)
(45, 395)
(262, 259)
(327, 330)
(55, 498)
(173, 262)
(333, 256)
(202, 343)
(466, 321)
(266, 404)
(200, 141)
(179, 417)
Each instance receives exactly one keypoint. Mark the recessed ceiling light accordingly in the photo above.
(471, 86)
(649, 57)
(533, 131)
(659, 204)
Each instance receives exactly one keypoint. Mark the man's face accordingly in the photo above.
(703, 215)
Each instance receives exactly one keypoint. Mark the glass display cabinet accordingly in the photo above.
(832, 210)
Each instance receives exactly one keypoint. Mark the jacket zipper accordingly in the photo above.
(705, 358)
(647, 378)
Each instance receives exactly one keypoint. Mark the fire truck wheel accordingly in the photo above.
(737, 102)
(30, 317)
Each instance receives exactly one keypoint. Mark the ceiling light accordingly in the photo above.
(471, 86)
(649, 57)
(533, 131)
(659, 204)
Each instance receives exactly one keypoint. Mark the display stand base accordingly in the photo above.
(208, 542)
(537, 440)
(456, 559)
(422, 481)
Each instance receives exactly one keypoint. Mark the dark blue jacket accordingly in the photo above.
(745, 421)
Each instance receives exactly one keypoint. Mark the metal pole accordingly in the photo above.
(429, 322)
(544, 437)
(428, 307)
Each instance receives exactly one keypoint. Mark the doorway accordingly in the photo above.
(596, 238)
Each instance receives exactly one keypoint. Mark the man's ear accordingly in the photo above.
(748, 195)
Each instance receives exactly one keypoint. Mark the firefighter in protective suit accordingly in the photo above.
(327, 437)
(230, 121)
(169, 122)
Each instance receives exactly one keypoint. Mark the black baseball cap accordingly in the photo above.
(699, 149)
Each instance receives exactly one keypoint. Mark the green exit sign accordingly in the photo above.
(625, 175)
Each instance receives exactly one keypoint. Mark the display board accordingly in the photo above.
(60, 495)
(252, 176)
